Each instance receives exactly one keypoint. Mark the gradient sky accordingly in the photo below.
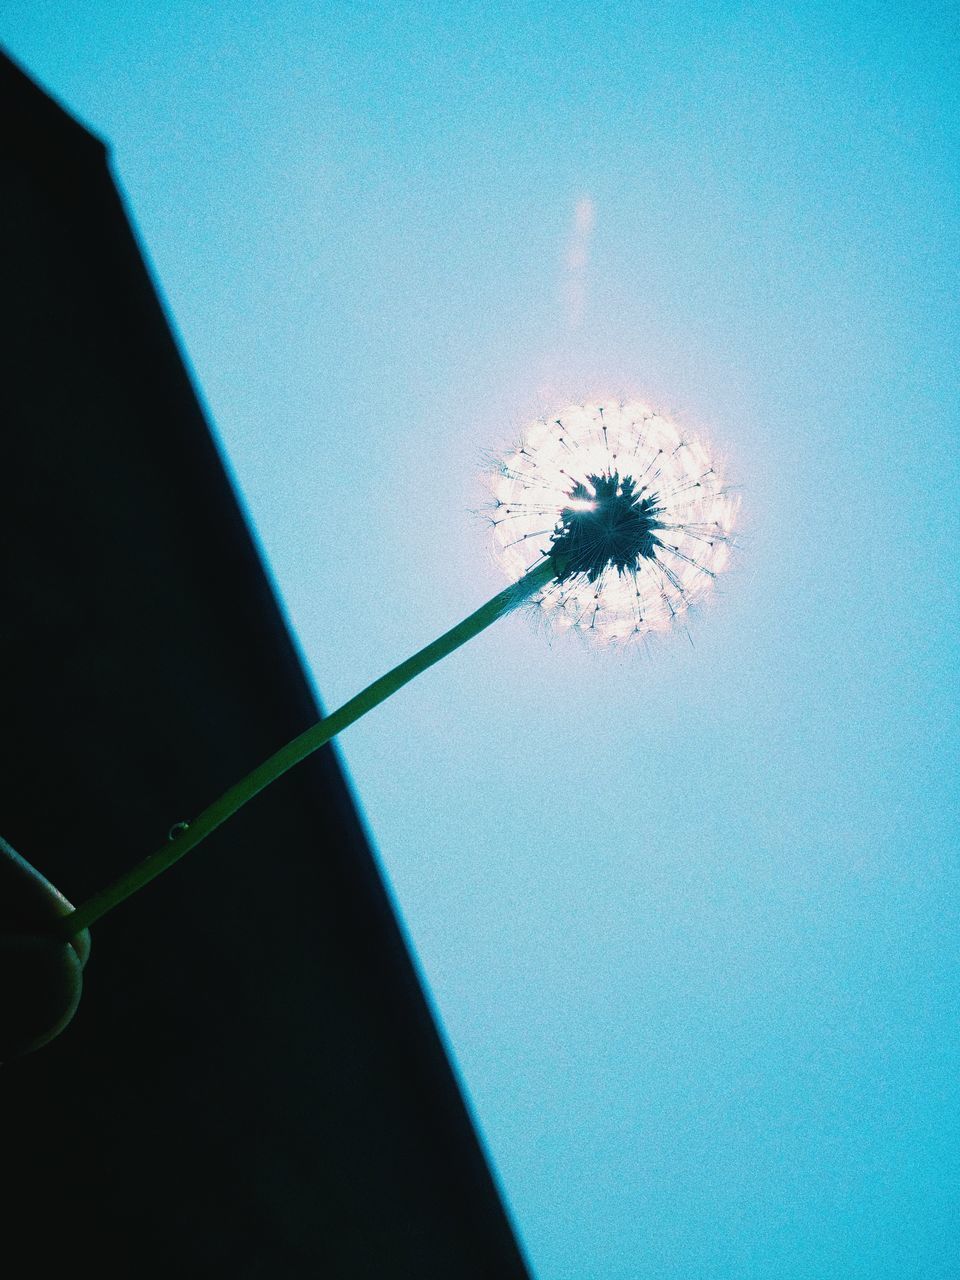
(689, 917)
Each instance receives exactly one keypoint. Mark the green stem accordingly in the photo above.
(316, 736)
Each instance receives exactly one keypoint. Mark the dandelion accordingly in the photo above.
(633, 514)
(606, 516)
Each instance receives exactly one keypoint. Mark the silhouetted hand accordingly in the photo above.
(41, 977)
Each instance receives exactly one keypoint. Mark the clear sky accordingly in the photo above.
(689, 917)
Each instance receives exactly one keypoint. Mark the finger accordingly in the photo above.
(41, 981)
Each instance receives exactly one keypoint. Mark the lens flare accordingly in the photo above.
(633, 512)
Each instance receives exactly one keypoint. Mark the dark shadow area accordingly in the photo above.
(253, 1085)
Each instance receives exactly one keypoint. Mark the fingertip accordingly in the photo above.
(41, 982)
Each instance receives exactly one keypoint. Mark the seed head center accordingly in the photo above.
(609, 522)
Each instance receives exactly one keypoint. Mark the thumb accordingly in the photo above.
(41, 976)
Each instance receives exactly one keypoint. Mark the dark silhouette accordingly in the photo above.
(253, 1085)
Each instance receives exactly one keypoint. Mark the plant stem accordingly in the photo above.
(300, 747)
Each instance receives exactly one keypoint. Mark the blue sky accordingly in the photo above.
(689, 917)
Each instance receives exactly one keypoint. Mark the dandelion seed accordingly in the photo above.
(632, 513)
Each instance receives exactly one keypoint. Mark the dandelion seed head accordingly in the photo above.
(633, 512)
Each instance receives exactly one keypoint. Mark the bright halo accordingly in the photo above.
(633, 511)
